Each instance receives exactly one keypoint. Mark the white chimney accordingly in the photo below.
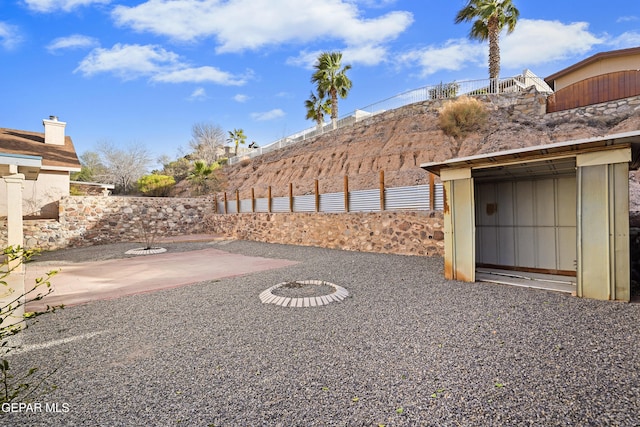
(53, 131)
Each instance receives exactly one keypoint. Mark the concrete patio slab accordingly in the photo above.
(78, 283)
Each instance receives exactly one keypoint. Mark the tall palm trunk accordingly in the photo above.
(334, 108)
(494, 48)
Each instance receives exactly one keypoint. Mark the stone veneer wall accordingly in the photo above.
(617, 107)
(90, 220)
(398, 232)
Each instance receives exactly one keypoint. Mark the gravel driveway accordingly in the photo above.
(406, 349)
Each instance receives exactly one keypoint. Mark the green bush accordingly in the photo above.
(156, 185)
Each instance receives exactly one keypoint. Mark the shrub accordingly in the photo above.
(156, 185)
(462, 116)
(21, 386)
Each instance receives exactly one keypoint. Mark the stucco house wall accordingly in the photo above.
(59, 159)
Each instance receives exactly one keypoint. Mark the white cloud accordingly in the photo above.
(128, 61)
(629, 18)
(268, 115)
(10, 36)
(198, 94)
(533, 42)
(536, 42)
(454, 55)
(63, 5)
(241, 98)
(240, 25)
(200, 75)
(625, 40)
(133, 61)
(75, 41)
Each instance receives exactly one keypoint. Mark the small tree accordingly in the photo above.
(207, 141)
(316, 108)
(123, 168)
(156, 185)
(444, 91)
(237, 137)
(12, 322)
(204, 177)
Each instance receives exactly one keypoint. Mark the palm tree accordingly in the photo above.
(489, 18)
(203, 176)
(237, 137)
(317, 107)
(331, 80)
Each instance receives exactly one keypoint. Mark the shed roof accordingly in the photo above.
(56, 157)
(594, 58)
(555, 150)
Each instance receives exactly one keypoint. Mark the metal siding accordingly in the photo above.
(407, 198)
(231, 206)
(622, 267)
(262, 205)
(439, 203)
(221, 207)
(332, 202)
(594, 277)
(364, 201)
(245, 205)
(304, 203)
(280, 204)
(463, 222)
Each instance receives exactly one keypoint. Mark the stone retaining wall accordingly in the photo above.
(90, 220)
(398, 232)
(616, 108)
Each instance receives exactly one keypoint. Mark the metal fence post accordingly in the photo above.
(317, 192)
(225, 203)
(269, 199)
(237, 201)
(253, 200)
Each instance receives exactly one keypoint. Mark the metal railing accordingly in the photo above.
(439, 91)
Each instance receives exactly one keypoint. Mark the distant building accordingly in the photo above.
(603, 77)
(59, 159)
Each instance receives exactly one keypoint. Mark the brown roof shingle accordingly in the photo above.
(32, 143)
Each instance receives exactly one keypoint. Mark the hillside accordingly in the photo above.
(398, 141)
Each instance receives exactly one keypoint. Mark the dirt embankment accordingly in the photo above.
(398, 141)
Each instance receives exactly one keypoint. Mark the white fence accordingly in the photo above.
(515, 84)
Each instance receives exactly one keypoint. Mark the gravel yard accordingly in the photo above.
(407, 348)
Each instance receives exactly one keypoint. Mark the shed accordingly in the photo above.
(551, 216)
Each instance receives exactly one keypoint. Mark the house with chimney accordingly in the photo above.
(41, 193)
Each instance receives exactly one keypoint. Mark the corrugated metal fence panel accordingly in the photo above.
(332, 202)
(364, 200)
(439, 190)
(408, 198)
(304, 203)
(280, 204)
(231, 206)
(262, 205)
(245, 205)
(221, 207)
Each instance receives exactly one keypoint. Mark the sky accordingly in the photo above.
(144, 72)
